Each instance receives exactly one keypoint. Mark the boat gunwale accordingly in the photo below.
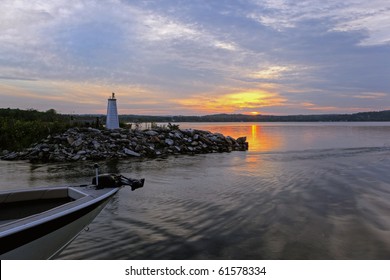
(65, 209)
(38, 229)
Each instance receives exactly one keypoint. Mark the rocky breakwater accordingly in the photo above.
(93, 144)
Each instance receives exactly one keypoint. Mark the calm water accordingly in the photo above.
(302, 191)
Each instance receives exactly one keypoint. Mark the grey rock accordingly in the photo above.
(115, 135)
(11, 156)
(95, 144)
(76, 157)
(229, 140)
(138, 148)
(151, 133)
(131, 153)
(77, 143)
(122, 141)
(94, 130)
(241, 140)
(189, 132)
(169, 142)
(178, 135)
(92, 144)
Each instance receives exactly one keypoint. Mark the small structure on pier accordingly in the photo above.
(112, 121)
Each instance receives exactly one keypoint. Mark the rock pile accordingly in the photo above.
(94, 144)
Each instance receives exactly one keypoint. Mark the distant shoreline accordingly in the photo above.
(374, 116)
(381, 116)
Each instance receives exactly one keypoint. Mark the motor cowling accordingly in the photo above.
(115, 181)
(107, 181)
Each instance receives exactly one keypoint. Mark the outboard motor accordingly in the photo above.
(133, 183)
(115, 181)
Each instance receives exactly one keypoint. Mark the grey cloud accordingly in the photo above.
(182, 48)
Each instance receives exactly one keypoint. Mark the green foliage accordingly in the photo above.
(125, 125)
(153, 125)
(173, 126)
(21, 128)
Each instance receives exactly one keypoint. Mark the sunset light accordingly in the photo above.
(241, 101)
(168, 58)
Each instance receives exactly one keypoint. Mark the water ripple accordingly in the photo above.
(306, 198)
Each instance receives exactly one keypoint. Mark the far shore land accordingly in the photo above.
(357, 117)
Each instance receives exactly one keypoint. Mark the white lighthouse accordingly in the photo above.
(112, 121)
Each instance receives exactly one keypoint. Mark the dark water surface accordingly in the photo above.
(302, 191)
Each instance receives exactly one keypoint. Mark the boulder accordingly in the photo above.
(93, 144)
(169, 142)
(131, 153)
(151, 133)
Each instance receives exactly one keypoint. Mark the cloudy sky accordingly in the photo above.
(196, 57)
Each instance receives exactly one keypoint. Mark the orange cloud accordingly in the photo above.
(246, 100)
(307, 104)
(371, 95)
(333, 109)
(324, 108)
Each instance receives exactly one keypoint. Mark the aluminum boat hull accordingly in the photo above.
(44, 234)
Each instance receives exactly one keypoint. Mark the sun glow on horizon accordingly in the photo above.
(240, 101)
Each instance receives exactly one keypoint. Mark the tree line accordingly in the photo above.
(364, 116)
(21, 128)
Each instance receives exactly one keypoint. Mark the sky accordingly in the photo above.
(196, 57)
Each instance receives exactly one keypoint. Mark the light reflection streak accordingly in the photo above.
(259, 138)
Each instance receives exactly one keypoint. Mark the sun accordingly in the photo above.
(255, 113)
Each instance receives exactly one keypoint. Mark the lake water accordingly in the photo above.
(302, 191)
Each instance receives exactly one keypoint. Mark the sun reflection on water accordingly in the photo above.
(259, 139)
